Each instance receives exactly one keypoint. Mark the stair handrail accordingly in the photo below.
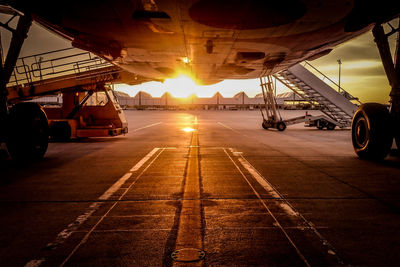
(340, 89)
(25, 72)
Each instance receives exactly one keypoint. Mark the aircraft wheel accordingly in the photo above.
(281, 126)
(265, 125)
(320, 127)
(28, 132)
(371, 131)
(331, 126)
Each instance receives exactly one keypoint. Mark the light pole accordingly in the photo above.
(340, 70)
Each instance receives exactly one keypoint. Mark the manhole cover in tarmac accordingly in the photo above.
(188, 254)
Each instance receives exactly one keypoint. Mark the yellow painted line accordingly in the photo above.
(189, 228)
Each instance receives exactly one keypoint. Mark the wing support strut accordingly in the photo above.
(392, 69)
(8, 61)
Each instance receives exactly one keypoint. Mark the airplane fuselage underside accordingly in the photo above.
(210, 40)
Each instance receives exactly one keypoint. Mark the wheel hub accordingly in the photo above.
(361, 132)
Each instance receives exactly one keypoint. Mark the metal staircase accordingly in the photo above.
(49, 72)
(336, 105)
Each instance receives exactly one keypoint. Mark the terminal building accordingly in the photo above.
(143, 100)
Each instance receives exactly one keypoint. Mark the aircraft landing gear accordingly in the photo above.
(24, 128)
(28, 132)
(371, 131)
(374, 126)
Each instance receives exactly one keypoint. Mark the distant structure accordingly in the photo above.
(143, 100)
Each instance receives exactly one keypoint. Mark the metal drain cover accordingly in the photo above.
(188, 255)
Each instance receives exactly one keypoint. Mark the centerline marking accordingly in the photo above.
(189, 235)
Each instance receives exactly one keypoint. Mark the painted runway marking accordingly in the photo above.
(189, 233)
(147, 126)
(230, 128)
(144, 160)
(73, 227)
(35, 263)
(86, 237)
(269, 212)
(286, 206)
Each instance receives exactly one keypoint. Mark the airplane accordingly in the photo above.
(210, 40)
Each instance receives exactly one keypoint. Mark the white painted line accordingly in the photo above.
(285, 205)
(269, 212)
(86, 237)
(34, 263)
(267, 186)
(147, 126)
(72, 227)
(230, 128)
(115, 186)
(143, 160)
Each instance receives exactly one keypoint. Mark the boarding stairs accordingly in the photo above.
(53, 71)
(336, 104)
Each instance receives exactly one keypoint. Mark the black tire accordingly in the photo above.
(281, 126)
(330, 126)
(264, 125)
(321, 124)
(371, 131)
(397, 131)
(27, 132)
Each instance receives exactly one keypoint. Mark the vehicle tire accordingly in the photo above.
(396, 130)
(330, 126)
(281, 126)
(371, 131)
(320, 124)
(60, 131)
(27, 132)
(264, 125)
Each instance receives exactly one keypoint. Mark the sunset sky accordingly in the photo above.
(362, 71)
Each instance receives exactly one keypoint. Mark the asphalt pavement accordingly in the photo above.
(201, 188)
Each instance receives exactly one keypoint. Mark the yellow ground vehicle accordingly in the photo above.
(86, 114)
(89, 107)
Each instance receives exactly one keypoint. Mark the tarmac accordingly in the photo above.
(202, 188)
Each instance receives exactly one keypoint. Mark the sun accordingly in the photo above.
(181, 86)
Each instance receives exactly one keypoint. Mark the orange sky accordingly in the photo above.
(362, 71)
